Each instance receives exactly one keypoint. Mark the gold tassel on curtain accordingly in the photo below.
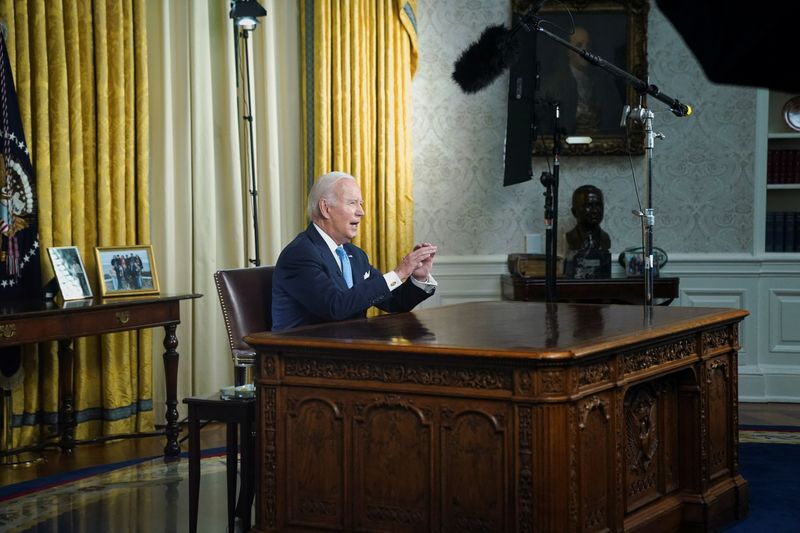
(358, 60)
(81, 74)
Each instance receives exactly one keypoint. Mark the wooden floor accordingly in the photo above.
(88, 455)
(171, 492)
(213, 436)
(769, 414)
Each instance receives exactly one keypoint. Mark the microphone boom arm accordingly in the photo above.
(679, 109)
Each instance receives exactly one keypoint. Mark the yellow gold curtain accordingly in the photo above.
(358, 60)
(80, 70)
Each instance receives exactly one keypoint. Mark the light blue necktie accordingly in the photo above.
(347, 272)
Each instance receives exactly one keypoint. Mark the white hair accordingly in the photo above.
(323, 188)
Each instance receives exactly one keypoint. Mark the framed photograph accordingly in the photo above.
(590, 99)
(126, 270)
(70, 272)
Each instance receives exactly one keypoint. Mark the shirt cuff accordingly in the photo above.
(393, 281)
(428, 285)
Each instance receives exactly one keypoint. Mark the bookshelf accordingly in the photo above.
(777, 206)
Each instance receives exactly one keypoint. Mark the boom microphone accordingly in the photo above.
(487, 58)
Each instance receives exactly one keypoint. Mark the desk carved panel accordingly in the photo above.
(406, 455)
(658, 355)
(429, 375)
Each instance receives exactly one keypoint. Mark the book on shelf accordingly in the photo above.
(796, 244)
(532, 265)
(782, 231)
(771, 170)
(780, 219)
(783, 167)
(792, 174)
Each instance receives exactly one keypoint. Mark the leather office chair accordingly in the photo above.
(245, 295)
(246, 298)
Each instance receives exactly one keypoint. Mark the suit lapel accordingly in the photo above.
(326, 257)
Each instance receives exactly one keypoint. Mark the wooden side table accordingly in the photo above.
(236, 414)
(35, 320)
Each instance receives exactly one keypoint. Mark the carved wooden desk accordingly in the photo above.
(27, 322)
(502, 416)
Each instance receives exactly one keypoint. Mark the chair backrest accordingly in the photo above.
(245, 295)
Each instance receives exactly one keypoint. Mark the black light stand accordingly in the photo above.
(245, 14)
(645, 116)
(550, 182)
(531, 21)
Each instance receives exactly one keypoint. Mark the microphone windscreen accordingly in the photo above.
(485, 59)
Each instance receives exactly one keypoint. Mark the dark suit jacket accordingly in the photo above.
(308, 286)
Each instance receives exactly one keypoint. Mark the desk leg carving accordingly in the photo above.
(267, 474)
(66, 418)
(525, 470)
(172, 449)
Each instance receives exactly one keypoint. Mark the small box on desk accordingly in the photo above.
(532, 265)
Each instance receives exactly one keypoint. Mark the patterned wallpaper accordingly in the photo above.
(702, 172)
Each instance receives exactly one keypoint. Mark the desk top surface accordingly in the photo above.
(38, 307)
(508, 329)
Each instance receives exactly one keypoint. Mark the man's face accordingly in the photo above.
(580, 39)
(588, 209)
(341, 218)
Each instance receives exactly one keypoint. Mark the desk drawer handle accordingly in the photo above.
(123, 317)
(8, 330)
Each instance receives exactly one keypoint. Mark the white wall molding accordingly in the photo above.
(467, 279)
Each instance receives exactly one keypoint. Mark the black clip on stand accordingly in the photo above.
(550, 182)
(531, 21)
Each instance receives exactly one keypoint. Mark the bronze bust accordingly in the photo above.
(587, 208)
(588, 245)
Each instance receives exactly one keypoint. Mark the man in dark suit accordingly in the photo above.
(321, 277)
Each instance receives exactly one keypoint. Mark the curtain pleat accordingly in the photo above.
(81, 76)
(358, 60)
(201, 211)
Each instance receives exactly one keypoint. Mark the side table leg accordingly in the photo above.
(66, 418)
(231, 447)
(172, 449)
(247, 470)
(194, 468)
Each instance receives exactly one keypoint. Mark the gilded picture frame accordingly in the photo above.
(590, 99)
(126, 270)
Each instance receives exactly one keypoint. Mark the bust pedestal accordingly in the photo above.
(587, 263)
